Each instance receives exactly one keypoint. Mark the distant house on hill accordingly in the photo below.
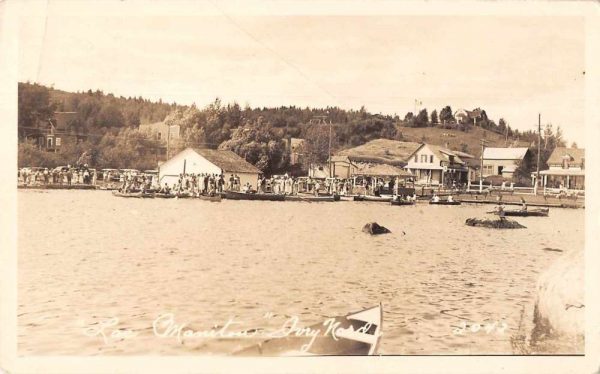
(207, 161)
(467, 116)
(435, 165)
(503, 161)
(160, 130)
(52, 134)
(566, 169)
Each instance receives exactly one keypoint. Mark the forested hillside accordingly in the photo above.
(258, 134)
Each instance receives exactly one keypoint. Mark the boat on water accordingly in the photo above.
(165, 195)
(133, 194)
(355, 334)
(380, 199)
(209, 198)
(525, 213)
(444, 202)
(234, 195)
(312, 198)
(402, 202)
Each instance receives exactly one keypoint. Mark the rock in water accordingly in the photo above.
(374, 228)
(494, 223)
(559, 310)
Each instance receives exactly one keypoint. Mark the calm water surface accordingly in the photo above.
(86, 257)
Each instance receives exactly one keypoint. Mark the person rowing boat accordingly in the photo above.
(435, 198)
(523, 205)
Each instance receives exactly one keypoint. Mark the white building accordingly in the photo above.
(434, 165)
(502, 161)
(208, 161)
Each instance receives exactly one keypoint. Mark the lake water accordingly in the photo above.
(85, 257)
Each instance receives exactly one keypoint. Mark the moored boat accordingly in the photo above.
(234, 195)
(402, 202)
(444, 202)
(312, 198)
(525, 213)
(209, 198)
(165, 195)
(380, 199)
(133, 194)
(353, 334)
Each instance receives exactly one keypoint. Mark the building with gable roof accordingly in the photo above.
(435, 165)
(503, 161)
(566, 169)
(208, 161)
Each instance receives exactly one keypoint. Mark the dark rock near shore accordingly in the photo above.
(494, 223)
(374, 228)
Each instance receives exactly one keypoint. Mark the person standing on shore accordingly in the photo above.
(69, 176)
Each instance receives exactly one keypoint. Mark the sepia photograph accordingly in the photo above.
(222, 179)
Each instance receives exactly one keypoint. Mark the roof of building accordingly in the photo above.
(62, 119)
(504, 153)
(380, 170)
(576, 155)
(227, 160)
(444, 153)
(386, 151)
(463, 155)
(570, 172)
(340, 159)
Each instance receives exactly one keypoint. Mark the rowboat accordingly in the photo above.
(525, 213)
(312, 198)
(165, 195)
(372, 198)
(133, 194)
(444, 202)
(402, 202)
(356, 334)
(233, 195)
(209, 198)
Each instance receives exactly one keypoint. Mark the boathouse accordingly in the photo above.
(208, 161)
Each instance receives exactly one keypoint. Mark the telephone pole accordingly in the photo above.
(329, 151)
(481, 166)
(537, 177)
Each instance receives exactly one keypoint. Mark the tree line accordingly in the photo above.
(260, 135)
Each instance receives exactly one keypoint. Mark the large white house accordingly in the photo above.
(207, 161)
(434, 165)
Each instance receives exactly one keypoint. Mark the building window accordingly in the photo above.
(49, 143)
(500, 168)
(431, 159)
(58, 142)
(416, 158)
(159, 135)
(423, 158)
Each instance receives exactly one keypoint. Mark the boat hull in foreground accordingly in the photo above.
(355, 334)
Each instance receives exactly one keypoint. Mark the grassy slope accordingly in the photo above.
(456, 138)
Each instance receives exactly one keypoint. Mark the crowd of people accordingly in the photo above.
(66, 175)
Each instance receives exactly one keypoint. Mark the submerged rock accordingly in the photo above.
(494, 223)
(374, 228)
(560, 306)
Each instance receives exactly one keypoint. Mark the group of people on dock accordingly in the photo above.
(66, 175)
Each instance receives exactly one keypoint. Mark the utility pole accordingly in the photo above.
(481, 166)
(330, 171)
(537, 177)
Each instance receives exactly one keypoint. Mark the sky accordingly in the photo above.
(512, 66)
